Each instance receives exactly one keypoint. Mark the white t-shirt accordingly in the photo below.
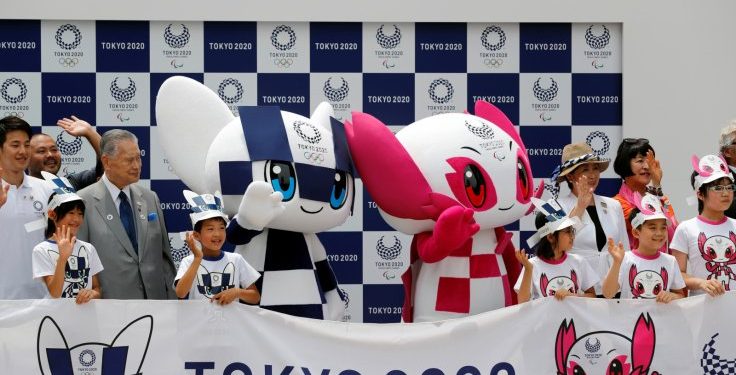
(214, 275)
(25, 204)
(710, 247)
(644, 276)
(571, 272)
(80, 266)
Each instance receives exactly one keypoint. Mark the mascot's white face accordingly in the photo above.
(297, 156)
(473, 161)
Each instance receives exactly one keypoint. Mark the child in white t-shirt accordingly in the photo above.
(705, 246)
(210, 273)
(645, 272)
(554, 271)
(67, 266)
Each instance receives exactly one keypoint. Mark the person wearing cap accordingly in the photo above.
(601, 217)
(23, 200)
(553, 272)
(645, 272)
(67, 266)
(705, 246)
(641, 174)
(221, 277)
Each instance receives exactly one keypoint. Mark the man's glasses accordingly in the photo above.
(721, 188)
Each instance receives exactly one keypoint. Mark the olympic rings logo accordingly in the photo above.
(314, 157)
(68, 62)
(283, 63)
(16, 114)
(493, 63)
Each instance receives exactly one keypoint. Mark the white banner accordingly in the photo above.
(692, 336)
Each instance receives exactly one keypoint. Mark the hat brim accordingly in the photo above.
(566, 171)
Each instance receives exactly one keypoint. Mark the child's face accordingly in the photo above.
(565, 238)
(652, 234)
(212, 234)
(718, 200)
(73, 219)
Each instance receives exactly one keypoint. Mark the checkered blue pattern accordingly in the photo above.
(560, 83)
(712, 363)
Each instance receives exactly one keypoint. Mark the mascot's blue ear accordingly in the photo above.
(189, 115)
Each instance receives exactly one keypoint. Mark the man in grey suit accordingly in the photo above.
(125, 223)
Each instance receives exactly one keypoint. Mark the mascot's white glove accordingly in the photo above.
(260, 205)
(335, 306)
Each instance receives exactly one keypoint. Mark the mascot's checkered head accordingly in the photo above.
(306, 160)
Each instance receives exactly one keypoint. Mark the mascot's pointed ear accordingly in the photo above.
(322, 114)
(136, 337)
(189, 116)
(50, 341)
(491, 113)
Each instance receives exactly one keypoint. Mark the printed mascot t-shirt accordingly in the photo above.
(215, 275)
(711, 249)
(571, 272)
(643, 276)
(80, 266)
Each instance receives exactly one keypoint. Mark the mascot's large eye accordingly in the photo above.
(577, 370)
(475, 185)
(282, 177)
(639, 287)
(615, 368)
(657, 289)
(618, 366)
(523, 180)
(712, 252)
(339, 193)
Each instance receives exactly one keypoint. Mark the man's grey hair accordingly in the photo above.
(111, 139)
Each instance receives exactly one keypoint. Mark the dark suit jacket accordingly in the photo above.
(127, 275)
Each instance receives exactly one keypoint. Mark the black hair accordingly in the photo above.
(627, 150)
(198, 225)
(544, 247)
(703, 189)
(61, 211)
(632, 215)
(13, 123)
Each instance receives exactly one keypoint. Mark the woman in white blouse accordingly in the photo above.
(602, 217)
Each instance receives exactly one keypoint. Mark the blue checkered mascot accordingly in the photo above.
(284, 178)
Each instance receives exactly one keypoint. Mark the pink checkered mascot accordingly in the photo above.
(453, 181)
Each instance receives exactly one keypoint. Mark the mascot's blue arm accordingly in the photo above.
(238, 235)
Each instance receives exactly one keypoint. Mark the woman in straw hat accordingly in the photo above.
(602, 217)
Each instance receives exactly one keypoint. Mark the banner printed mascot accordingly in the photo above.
(283, 176)
(453, 181)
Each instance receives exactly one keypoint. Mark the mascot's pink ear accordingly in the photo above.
(491, 113)
(390, 175)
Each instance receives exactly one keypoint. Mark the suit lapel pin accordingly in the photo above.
(109, 217)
